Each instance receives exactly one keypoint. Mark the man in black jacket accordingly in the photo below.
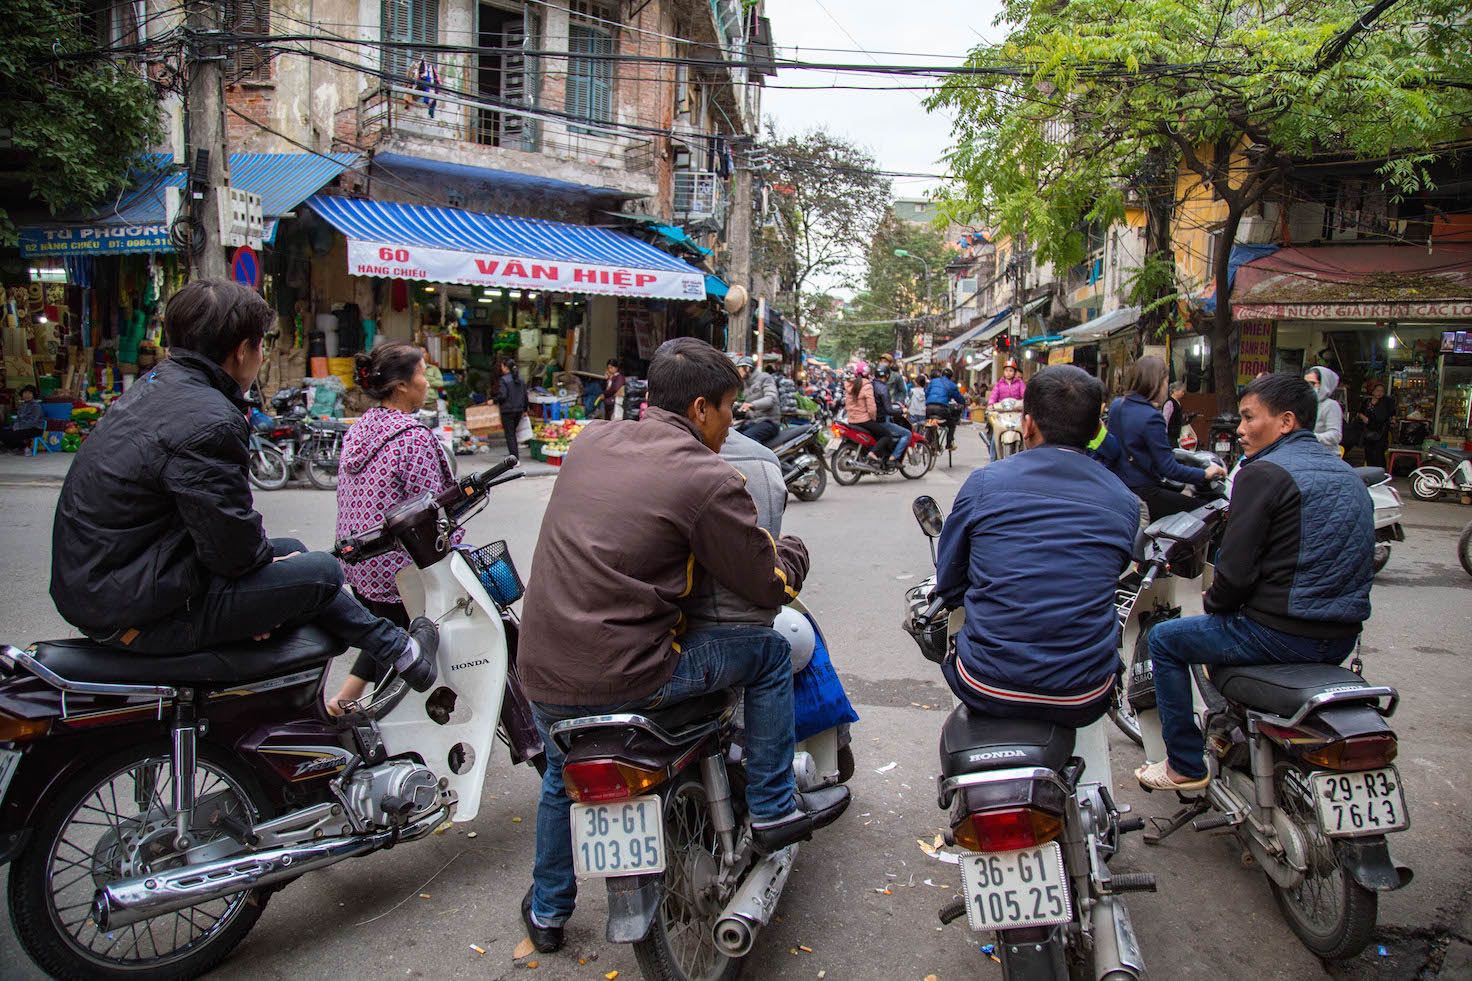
(156, 546)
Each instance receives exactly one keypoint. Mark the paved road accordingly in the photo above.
(1211, 919)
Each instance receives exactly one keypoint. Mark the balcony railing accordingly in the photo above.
(699, 194)
(398, 110)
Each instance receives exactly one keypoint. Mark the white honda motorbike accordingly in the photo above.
(150, 806)
(1005, 418)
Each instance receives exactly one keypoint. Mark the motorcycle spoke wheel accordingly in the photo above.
(917, 461)
(841, 462)
(812, 488)
(681, 946)
(1331, 914)
(268, 469)
(119, 826)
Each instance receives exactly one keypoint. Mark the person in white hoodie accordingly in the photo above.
(1329, 427)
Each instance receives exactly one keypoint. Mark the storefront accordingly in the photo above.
(1103, 347)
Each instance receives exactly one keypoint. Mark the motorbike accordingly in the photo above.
(659, 813)
(1389, 509)
(268, 469)
(1299, 755)
(306, 444)
(1031, 805)
(1222, 438)
(1005, 418)
(151, 806)
(1449, 472)
(852, 444)
(801, 457)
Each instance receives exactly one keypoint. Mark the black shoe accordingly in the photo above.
(420, 671)
(547, 940)
(815, 809)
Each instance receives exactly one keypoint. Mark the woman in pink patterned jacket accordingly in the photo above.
(388, 457)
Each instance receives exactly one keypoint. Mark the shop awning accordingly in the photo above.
(981, 332)
(1101, 326)
(716, 287)
(1357, 282)
(448, 245)
(136, 222)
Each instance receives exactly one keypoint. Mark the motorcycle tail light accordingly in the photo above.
(593, 781)
(1007, 829)
(1356, 753)
(14, 730)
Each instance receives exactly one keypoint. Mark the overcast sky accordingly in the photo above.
(894, 126)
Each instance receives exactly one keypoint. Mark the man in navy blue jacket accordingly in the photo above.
(1293, 573)
(1034, 547)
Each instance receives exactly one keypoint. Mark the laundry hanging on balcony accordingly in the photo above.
(449, 245)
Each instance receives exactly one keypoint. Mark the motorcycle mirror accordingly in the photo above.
(927, 513)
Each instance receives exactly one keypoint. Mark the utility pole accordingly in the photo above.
(739, 238)
(205, 131)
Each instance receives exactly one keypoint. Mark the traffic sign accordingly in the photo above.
(245, 267)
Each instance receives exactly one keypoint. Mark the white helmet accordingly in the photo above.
(799, 634)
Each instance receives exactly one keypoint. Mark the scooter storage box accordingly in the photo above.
(416, 525)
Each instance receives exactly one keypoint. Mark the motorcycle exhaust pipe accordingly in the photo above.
(128, 901)
(1116, 950)
(754, 902)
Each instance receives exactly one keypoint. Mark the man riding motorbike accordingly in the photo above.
(1293, 572)
(887, 411)
(156, 547)
(943, 400)
(761, 402)
(1039, 639)
(602, 629)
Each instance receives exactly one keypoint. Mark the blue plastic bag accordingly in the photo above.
(818, 699)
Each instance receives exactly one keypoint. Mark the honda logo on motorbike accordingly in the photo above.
(996, 754)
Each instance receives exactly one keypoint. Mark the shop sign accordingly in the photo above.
(37, 243)
(1255, 350)
(517, 272)
(1062, 354)
(1428, 309)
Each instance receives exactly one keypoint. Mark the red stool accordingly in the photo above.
(1396, 452)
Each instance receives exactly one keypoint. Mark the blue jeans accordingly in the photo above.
(712, 659)
(902, 435)
(1228, 640)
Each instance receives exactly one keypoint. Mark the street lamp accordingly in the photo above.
(925, 333)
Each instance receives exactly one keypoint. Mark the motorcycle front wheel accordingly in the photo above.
(1331, 914)
(322, 467)
(1427, 483)
(681, 944)
(115, 820)
(268, 469)
(918, 460)
(840, 464)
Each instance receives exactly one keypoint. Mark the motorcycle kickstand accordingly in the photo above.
(1165, 827)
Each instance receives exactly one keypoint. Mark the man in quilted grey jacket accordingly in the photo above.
(1293, 573)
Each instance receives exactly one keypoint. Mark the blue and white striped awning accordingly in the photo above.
(449, 245)
(134, 222)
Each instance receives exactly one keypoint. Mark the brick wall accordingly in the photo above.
(254, 101)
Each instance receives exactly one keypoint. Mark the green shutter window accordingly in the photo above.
(408, 22)
(589, 81)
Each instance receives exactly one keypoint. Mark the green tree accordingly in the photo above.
(78, 119)
(1086, 101)
(892, 304)
(825, 200)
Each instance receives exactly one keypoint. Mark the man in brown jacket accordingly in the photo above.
(637, 506)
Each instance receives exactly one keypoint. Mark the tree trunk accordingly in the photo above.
(1223, 365)
(1159, 199)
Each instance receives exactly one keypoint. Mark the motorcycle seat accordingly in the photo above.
(791, 432)
(1281, 688)
(82, 659)
(1372, 475)
(972, 743)
(691, 711)
(1447, 453)
(329, 425)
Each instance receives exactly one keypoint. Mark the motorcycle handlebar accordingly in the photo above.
(455, 500)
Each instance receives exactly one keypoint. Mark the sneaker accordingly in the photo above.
(815, 809)
(547, 940)
(416, 665)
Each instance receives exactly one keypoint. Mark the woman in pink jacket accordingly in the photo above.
(388, 457)
(1010, 387)
(858, 403)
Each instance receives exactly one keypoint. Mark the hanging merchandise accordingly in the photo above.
(425, 79)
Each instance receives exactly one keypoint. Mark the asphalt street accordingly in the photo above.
(861, 901)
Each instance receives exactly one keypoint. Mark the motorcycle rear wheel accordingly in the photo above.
(54, 924)
(322, 468)
(1382, 555)
(1331, 914)
(839, 464)
(268, 469)
(681, 944)
(1427, 482)
(1464, 548)
(813, 488)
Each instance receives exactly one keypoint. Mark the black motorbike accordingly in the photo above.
(1222, 438)
(801, 457)
(307, 444)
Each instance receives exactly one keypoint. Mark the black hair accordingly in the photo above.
(684, 369)
(1283, 392)
(613, 363)
(35, 392)
(1064, 401)
(213, 317)
(379, 371)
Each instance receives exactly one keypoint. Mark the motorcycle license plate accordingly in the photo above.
(1223, 446)
(1016, 889)
(620, 838)
(1370, 802)
(9, 760)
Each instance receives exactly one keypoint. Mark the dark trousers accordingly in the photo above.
(760, 430)
(1162, 501)
(510, 421)
(951, 414)
(1375, 452)
(394, 613)
(881, 432)
(306, 588)
(18, 439)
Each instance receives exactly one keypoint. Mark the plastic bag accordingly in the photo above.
(818, 699)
